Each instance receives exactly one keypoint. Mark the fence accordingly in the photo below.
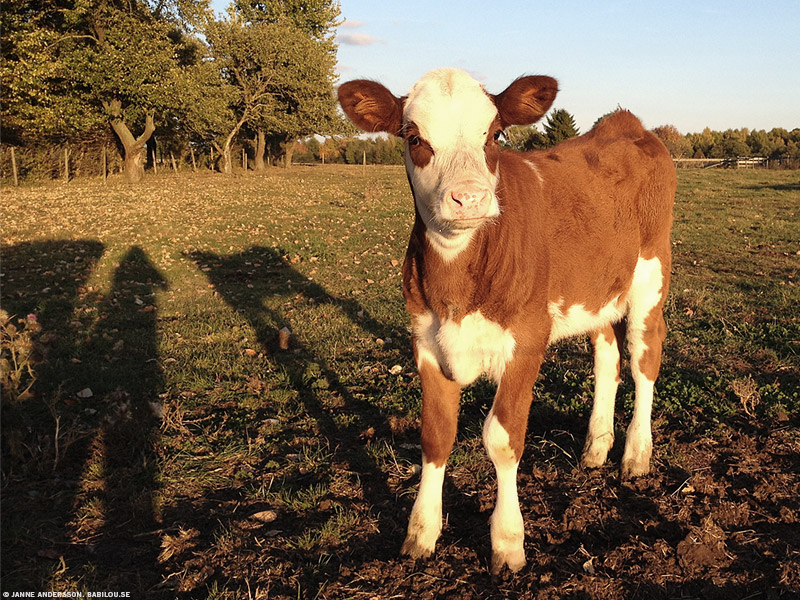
(739, 162)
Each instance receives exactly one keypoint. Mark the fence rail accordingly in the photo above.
(739, 162)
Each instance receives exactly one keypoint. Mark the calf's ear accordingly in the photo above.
(371, 106)
(526, 100)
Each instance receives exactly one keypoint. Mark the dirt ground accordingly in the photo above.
(723, 525)
(716, 518)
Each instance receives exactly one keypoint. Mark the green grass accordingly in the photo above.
(165, 300)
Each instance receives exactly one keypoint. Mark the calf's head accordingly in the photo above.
(451, 127)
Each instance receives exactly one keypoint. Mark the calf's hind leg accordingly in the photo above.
(646, 332)
(607, 352)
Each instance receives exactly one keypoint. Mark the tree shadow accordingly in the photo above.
(78, 496)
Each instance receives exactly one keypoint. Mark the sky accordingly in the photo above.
(691, 64)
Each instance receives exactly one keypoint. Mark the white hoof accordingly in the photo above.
(422, 534)
(596, 449)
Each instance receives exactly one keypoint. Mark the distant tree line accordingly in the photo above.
(351, 151)
(776, 143)
(158, 78)
(731, 143)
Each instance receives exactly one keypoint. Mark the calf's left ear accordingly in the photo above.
(526, 100)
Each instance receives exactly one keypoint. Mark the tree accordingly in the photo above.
(304, 101)
(560, 126)
(71, 69)
(677, 144)
(524, 138)
(280, 76)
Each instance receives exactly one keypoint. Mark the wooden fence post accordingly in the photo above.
(244, 159)
(14, 166)
(172, 158)
(66, 163)
(105, 164)
(194, 164)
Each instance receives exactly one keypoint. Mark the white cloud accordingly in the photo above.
(358, 39)
(350, 24)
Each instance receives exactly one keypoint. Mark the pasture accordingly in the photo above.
(173, 444)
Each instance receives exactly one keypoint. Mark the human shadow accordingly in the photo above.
(83, 485)
(115, 518)
(348, 422)
(45, 281)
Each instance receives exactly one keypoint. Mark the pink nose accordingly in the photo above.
(467, 201)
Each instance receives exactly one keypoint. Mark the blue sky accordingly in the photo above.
(722, 64)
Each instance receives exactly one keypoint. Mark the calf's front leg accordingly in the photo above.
(504, 439)
(440, 400)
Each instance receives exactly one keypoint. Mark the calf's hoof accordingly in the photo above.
(513, 559)
(635, 467)
(595, 451)
(416, 549)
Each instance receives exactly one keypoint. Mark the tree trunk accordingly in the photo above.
(288, 151)
(261, 147)
(227, 163)
(133, 148)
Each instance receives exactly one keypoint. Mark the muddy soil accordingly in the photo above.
(717, 518)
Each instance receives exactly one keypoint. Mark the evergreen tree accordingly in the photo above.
(560, 126)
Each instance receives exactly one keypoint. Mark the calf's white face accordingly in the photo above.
(447, 118)
(451, 127)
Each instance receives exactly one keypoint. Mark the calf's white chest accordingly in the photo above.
(464, 350)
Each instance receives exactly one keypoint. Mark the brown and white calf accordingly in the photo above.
(513, 251)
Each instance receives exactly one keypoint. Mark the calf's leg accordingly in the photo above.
(504, 439)
(607, 350)
(440, 399)
(646, 332)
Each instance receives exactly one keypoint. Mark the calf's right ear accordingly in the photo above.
(371, 106)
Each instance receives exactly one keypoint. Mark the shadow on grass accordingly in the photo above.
(346, 421)
(79, 467)
(780, 187)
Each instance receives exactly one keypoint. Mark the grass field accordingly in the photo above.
(172, 445)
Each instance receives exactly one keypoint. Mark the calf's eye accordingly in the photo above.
(413, 140)
(498, 134)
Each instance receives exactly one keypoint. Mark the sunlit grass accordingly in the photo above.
(170, 296)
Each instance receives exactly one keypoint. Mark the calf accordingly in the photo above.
(513, 251)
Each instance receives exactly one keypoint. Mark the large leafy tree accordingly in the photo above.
(676, 143)
(279, 57)
(271, 70)
(72, 68)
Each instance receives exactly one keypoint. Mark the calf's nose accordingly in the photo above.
(467, 201)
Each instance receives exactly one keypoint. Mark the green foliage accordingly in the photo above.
(277, 70)
(524, 138)
(677, 144)
(776, 143)
(316, 18)
(560, 126)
